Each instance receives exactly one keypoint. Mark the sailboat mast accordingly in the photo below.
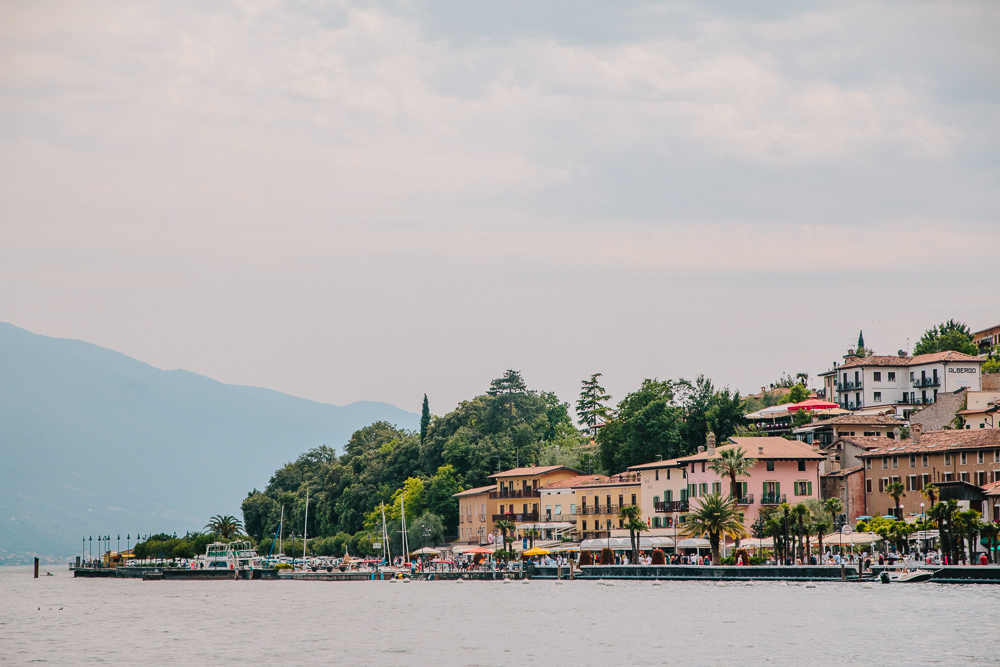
(281, 532)
(305, 526)
(386, 551)
(402, 514)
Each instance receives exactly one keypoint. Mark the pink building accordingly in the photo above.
(785, 471)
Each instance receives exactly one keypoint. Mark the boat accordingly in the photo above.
(904, 576)
(230, 556)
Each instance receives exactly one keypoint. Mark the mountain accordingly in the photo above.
(95, 442)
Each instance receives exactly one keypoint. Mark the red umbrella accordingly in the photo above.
(812, 404)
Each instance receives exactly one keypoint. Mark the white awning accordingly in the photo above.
(694, 543)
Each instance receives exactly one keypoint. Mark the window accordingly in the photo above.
(717, 487)
(770, 466)
(802, 465)
(892, 376)
(656, 499)
(895, 480)
(703, 489)
(558, 509)
(981, 457)
(911, 483)
(923, 461)
(963, 476)
(996, 456)
(981, 477)
(868, 485)
(947, 477)
(584, 525)
(947, 459)
(877, 376)
(703, 466)
(925, 479)
(965, 458)
(913, 460)
(633, 499)
(657, 475)
(868, 464)
(656, 522)
(878, 397)
(885, 463)
(882, 483)
(870, 433)
(895, 461)
(668, 473)
(803, 488)
(572, 508)
(668, 495)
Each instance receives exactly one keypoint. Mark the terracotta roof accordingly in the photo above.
(579, 480)
(888, 360)
(938, 441)
(531, 471)
(774, 448)
(992, 489)
(884, 420)
(472, 492)
(621, 479)
(844, 472)
(976, 333)
(869, 441)
(669, 463)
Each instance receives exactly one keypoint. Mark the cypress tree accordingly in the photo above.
(861, 342)
(425, 420)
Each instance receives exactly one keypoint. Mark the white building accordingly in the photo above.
(901, 381)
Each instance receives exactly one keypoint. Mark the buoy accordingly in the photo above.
(782, 583)
(657, 583)
(525, 582)
(866, 585)
(810, 585)
(458, 581)
(720, 584)
(506, 581)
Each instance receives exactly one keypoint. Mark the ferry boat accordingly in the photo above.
(230, 556)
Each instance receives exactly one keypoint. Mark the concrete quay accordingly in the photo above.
(703, 572)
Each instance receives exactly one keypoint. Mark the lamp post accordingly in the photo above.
(90, 541)
(923, 520)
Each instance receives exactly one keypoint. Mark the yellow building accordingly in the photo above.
(517, 496)
(474, 511)
(664, 492)
(599, 501)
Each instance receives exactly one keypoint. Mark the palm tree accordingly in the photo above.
(930, 493)
(990, 532)
(943, 513)
(897, 491)
(225, 526)
(716, 517)
(967, 523)
(833, 507)
(732, 463)
(506, 527)
(632, 516)
(785, 511)
(799, 513)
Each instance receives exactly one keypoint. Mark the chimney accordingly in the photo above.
(760, 451)
(815, 447)
(710, 439)
(895, 433)
(701, 449)
(659, 457)
(834, 463)
(815, 419)
(916, 430)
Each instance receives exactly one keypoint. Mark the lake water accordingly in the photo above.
(65, 621)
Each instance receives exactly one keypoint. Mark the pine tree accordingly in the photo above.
(861, 343)
(590, 408)
(425, 420)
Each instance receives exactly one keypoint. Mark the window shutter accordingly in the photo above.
(777, 489)
(809, 486)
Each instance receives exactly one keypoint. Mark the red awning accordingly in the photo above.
(812, 404)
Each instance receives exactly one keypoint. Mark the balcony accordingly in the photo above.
(773, 499)
(920, 383)
(670, 506)
(516, 518)
(557, 517)
(514, 493)
(597, 509)
(850, 386)
(595, 535)
(745, 500)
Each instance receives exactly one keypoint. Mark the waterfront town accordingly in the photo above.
(894, 459)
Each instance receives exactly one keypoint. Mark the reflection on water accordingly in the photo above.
(61, 620)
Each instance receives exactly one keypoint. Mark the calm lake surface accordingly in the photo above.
(65, 621)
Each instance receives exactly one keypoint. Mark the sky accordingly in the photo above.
(373, 201)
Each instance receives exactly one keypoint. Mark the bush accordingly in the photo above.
(607, 556)
(659, 558)
(586, 558)
(283, 566)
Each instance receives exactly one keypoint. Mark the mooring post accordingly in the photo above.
(36, 567)
(559, 571)
(843, 573)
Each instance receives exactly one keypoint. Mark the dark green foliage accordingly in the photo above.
(950, 335)
(646, 423)
(590, 407)
(607, 556)
(425, 419)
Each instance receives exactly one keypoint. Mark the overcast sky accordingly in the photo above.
(370, 201)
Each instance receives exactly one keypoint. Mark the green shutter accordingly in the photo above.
(809, 486)
(777, 489)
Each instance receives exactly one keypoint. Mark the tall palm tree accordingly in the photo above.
(225, 526)
(930, 493)
(897, 491)
(967, 524)
(800, 512)
(716, 517)
(943, 513)
(733, 462)
(632, 516)
(786, 509)
(990, 532)
(506, 527)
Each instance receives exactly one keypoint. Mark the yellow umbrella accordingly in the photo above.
(537, 551)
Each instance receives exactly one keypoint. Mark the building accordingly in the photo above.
(986, 339)
(785, 471)
(599, 502)
(664, 492)
(823, 432)
(847, 485)
(517, 493)
(981, 410)
(474, 512)
(845, 451)
(931, 457)
(900, 380)
(558, 506)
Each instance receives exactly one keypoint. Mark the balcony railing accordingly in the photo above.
(594, 535)
(919, 383)
(670, 506)
(514, 493)
(557, 517)
(772, 498)
(597, 509)
(516, 518)
(745, 500)
(850, 386)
